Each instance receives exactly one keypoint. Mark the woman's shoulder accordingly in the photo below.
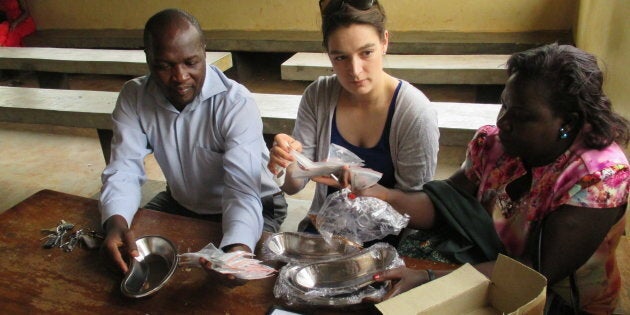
(598, 178)
(322, 83)
(321, 92)
(595, 160)
(412, 104)
(410, 95)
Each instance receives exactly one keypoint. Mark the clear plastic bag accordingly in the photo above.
(238, 263)
(358, 219)
(362, 178)
(338, 156)
(341, 154)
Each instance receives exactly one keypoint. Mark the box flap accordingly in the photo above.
(515, 286)
(463, 290)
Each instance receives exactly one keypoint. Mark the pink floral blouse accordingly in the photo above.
(579, 177)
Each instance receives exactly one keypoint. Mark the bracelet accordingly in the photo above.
(431, 275)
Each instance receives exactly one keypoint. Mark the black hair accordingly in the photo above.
(574, 85)
(160, 21)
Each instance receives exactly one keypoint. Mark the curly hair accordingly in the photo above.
(338, 13)
(574, 82)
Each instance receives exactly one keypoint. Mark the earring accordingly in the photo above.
(563, 133)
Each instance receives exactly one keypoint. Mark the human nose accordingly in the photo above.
(502, 120)
(179, 73)
(356, 66)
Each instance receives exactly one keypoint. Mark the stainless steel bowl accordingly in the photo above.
(347, 274)
(305, 247)
(151, 270)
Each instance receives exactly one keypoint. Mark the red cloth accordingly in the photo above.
(11, 8)
(4, 32)
(13, 37)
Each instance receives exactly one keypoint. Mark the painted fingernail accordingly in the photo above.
(376, 276)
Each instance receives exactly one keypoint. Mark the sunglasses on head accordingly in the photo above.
(357, 4)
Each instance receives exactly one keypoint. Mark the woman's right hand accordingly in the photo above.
(280, 153)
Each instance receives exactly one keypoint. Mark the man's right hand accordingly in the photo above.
(120, 242)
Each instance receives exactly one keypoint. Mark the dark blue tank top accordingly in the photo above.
(379, 157)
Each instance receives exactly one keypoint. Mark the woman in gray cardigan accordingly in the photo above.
(384, 120)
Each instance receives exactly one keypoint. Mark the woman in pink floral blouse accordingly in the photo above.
(550, 170)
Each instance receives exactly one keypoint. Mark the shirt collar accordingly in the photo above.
(212, 85)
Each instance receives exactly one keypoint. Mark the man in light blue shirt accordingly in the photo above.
(205, 132)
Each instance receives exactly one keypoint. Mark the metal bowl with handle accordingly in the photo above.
(306, 247)
(151, 270)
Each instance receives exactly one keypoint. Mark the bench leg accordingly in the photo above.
(105, 137)
(52, 80)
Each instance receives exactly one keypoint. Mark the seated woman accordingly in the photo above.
(384, 120)
(552, 177)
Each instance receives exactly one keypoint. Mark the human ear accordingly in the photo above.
(385, 41)
(571, 122)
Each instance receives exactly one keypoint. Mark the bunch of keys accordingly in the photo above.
(60, 237)
(91, 239)
(55, 238)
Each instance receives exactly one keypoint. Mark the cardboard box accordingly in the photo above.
(513, 289)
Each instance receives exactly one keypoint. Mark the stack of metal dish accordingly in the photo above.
(336, 274)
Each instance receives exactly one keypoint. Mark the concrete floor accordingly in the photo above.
(36, 157)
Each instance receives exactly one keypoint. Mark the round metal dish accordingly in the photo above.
(305, 247)
(344, 275)
(151, 270)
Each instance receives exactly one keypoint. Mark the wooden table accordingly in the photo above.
(35, 280)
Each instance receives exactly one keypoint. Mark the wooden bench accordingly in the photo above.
(92, 109)
(419, 69)
(52, 64)
(401, 42)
